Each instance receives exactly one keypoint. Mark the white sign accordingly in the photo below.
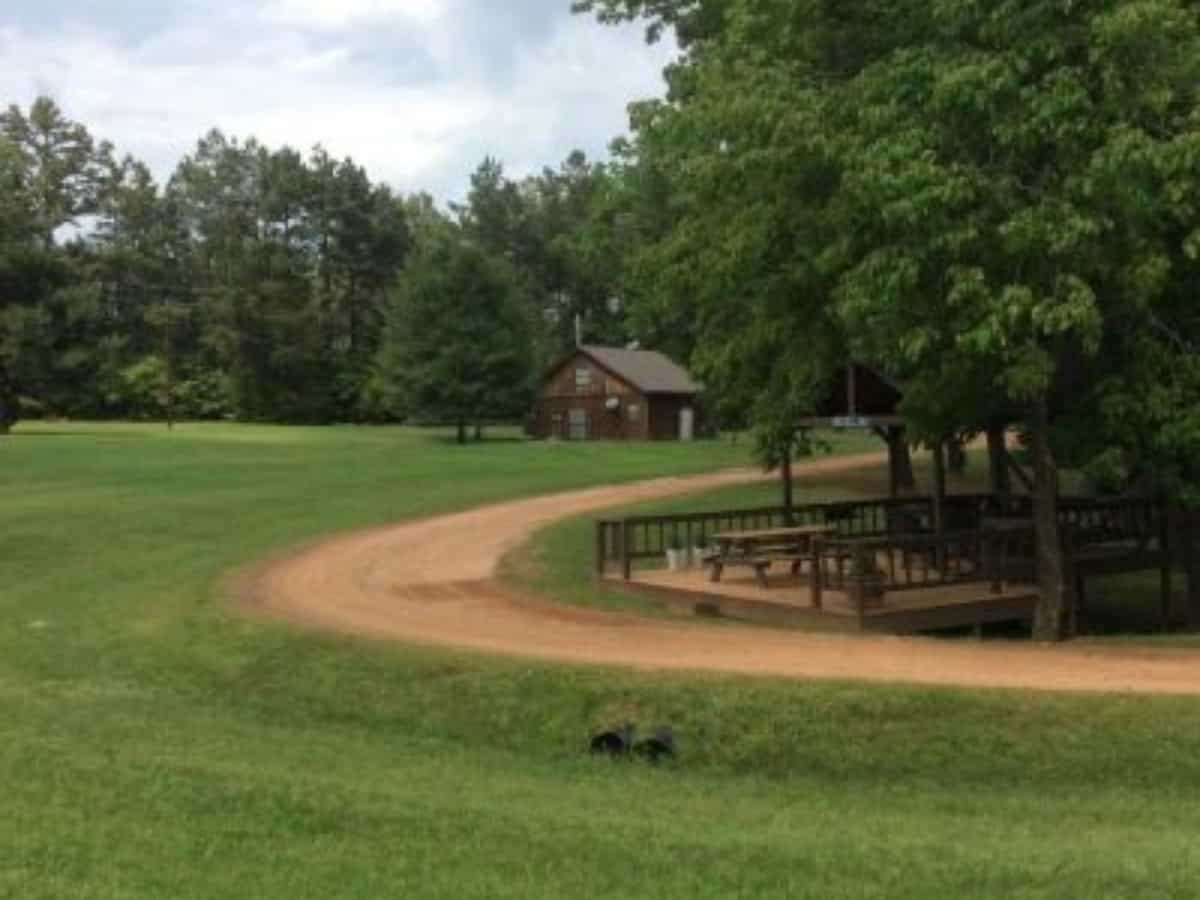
(849, 422)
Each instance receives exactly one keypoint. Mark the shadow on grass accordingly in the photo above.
(55, 433)
(450, 440)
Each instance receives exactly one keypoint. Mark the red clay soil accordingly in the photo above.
(433, 582)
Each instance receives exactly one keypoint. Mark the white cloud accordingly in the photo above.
(338, 14)
(418, 110)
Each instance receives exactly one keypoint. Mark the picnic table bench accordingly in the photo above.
(760, 548)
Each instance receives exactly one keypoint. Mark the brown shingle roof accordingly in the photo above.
(648, 370)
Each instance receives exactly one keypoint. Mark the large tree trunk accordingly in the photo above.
(998, 462)
(462, 432)
(8, 406)
(900, 463)
(1053, 609)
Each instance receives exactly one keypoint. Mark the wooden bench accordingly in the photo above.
(760, 549)
(760, 562)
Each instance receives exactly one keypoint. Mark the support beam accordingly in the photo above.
(939, 501)
(1191, 560)
(998, 462)
(939, 487)
(1026, 481)
(817, 575)
(785, 476)
(1164, 576)
(1165, 596)
(956, 457)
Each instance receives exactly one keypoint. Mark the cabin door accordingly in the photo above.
(577, 425)
(687, 424)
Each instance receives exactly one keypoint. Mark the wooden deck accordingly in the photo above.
(787, 601)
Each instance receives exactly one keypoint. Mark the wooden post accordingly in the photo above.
(998, 462)
(893, 477)
(1018, 472)
(817, 584)
(601, 547)
(1164, 581)
(1164, 586)
(1190, 549)
(626, 550)
(939, 502)
(856, 586)
(939, 488)
(991, 559)
(956, 457)
(1071, 580)
(900, 470)
(785, 475)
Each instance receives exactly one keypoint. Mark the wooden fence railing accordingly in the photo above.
(623, 542)
(908, 561)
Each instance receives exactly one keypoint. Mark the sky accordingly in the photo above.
(417, 91)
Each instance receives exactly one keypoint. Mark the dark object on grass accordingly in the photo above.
(618, 742)
(661, 746)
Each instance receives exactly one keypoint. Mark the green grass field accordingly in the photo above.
(152, 744)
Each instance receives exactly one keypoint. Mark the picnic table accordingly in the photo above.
(761, 547)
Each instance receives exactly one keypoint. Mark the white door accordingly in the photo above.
(687, 424)
(577, 425)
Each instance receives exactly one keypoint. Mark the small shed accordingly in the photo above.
(609, 393)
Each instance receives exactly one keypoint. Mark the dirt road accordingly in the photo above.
(432, 582)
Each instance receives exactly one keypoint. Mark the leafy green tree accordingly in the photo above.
(456, 345)
(992, 200)
(52, 333)
(62, 168)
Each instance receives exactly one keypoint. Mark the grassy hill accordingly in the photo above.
(152, 744)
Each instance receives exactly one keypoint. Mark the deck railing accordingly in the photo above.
(907, 562)
(621, 543)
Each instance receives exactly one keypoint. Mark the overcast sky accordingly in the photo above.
(418, 91)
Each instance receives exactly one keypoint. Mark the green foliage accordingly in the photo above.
(61, 166)
(560, 231)
(456, 346)
(257, 277)
(994, 202)
(145, 385)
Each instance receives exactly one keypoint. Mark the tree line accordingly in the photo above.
(263, 284)
(997, 203)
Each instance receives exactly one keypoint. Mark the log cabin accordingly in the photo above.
(607, 393)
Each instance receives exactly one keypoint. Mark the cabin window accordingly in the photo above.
(583, 378)
(635, 412)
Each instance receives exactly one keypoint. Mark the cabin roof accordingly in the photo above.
(649, 371)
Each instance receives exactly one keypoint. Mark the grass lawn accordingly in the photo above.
(154, 745)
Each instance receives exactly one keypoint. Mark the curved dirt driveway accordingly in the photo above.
(432, 582)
